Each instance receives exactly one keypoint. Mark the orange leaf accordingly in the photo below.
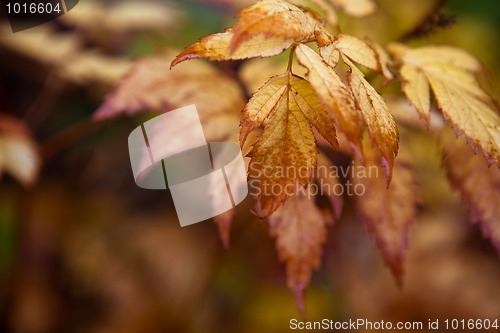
(379, 121)
(285, 153)
(383, 59)
(216, 47)
(478, 183)
(388, 212)
(151, 85)
(334, 94)
(300, 232)
(272, 18)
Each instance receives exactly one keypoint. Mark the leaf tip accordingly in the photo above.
(298, 294)
(183, 56)
(224, 222)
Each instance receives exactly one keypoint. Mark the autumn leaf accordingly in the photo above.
(151, 85)
(478, 183)
(323, 36)
(462, 80)
(285, 153)
(450, 74)
(357, 50)
(217, 47)
(442, 54)
(383, 59)
(18, 152)
(330, 54)
(273, 18)
(417, 88)
(334, 94)
(300, 232)
(388, 212)
(356, 8)
(366, 53)
(380, 123)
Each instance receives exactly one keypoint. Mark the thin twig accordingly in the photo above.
(69, 136)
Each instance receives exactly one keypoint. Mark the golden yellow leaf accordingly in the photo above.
(380, 123)
(478, 183)
(151, 85)
(285, 153)
(357, 50)
(216, 47)
(224, 222)
(261, 104)
(272, 18)
(356, 8)
(330, 54)
(388, 212)
(300, 232)
(334, 94)
(417, 88)
(323, 36)
(460, 79)
(469, 115)
(311, 107)
(450, 74)
(425, 55)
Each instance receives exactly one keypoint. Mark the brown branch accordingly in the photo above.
(69, 136)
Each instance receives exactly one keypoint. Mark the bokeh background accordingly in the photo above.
(83, 249)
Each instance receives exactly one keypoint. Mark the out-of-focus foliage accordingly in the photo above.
(82, 249)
